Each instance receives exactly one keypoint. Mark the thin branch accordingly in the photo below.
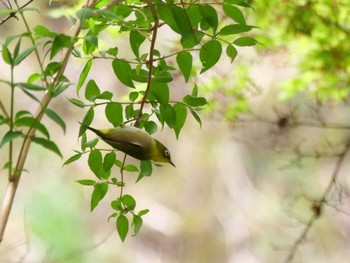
(151, 58)
(15, 178)
(82, 250)
(2, 108)
(319, 205)
(122, 177)
(13, 14)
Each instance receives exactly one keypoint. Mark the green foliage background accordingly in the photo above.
(225, 202)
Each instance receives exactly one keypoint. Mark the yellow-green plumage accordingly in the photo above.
(135, 142)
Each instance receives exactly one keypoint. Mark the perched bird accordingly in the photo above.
(135, 142)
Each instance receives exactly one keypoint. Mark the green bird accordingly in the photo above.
(135, 142)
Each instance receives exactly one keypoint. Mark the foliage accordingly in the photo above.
(148, 75)
(315, 33)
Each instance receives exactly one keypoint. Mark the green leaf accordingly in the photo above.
(122, 70)
(43, 31)
(161, 92)
(234, 13)
(150, 126)
(90, 43)
(136, 40)
(210, 54)
(133, 96)
(99, 192)
(60, 41)
(50, 145)
(72, 159)
(56, 118)
(23, 55)
(106, 95)
(29, 86)
(234, 29)
(184, 60)
(6, 55)
(145, 169)
(86, 182)
(32, 122)
(129, 111)
(143, 212)
(131, 168)
(245, 41)
(112, 51)
(196, 117)
(195, 101)
(95, 162)
(181, 115)
(168, 114)
(92, 90)
(139, 75)
(129, 202)
(167, 15)
(209, 15)
(117, 205)
(163, 77)
(114, 113)
(21, 113)
(181, 21)
(76, 102)
(52, 68)
(231, 52)
(109, 161)
(9, 136)
(195, 91)
(84, 14)
(83, 75)
(122, 226)
(17, 48)
(91, 144)
(194, 15)
(89, 116)
(137, 223)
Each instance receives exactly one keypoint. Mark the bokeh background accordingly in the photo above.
(244, 182)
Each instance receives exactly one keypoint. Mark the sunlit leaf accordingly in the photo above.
(114, 113)
(99, 192)
(122, 226)
(184, 60)
(9, 136)
(50, 145)
(210, 54)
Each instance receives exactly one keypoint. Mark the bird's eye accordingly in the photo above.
(166, 153)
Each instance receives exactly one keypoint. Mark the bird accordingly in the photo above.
(134, 142)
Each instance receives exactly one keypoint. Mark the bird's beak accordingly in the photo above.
(171, 162)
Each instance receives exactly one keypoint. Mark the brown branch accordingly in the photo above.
(318, 207)
(15, 178)
(13, 14)
(151, 58)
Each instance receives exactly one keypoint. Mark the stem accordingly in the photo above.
(151, 58)
(15, 178)
(11, 121)
(122, 177)
(2, 108)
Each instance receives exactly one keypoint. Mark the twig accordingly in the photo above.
(151, 58)
(2, 108)
(15, 178)
(319, 205)
(13, 14)
(82, 250)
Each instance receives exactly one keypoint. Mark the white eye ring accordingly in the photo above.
(166, 152)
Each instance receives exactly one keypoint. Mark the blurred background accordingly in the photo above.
(245, 182)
